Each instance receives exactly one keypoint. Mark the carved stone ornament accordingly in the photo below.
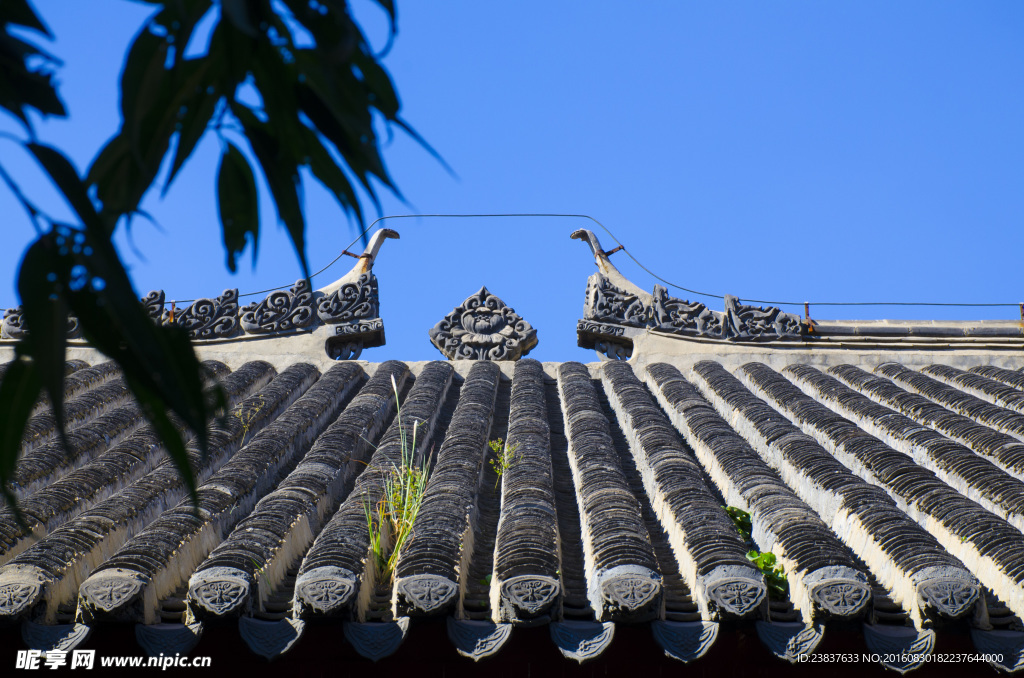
(608, 340)
(55, 637)
(842, 598)
(582, 640)
(110, 593)
(210, 318)
(607, 302)
(789, 641)
(739, 597)
(1006, 648)
(477, 639)
(483, 328)
(530, 594)
(427, 592)
(376, 641)
(74, 328)
(15, 597)
(630, 592)
(350, 339)
(13, 325)
(757, 322)
(219, 590)
(270, 639)
(685, 641)
(154, 304)
(168, 638)
(351, 301)
(325, 590)
(281, 311)
(951, 597)
(599, 328)
(902, 648)
(608, 306)
(683, 317)
(736, 594)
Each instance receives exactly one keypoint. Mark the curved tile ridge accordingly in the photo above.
(623, 581)
(825, 579)
(79, 381)
(980, 386)
(253, 562)
(711, 555)
(70, 367)
(78, 411)
(335, 570)
(247, 568)
(1008, 377)
(68, 554)
(48, 462)
(107, 474)
(432, 568)
(1004, 450)
(957, 465)
(677, 600)
(981, 411)
(526, 580)
(943, 513)
(903, 556)
(157, 560)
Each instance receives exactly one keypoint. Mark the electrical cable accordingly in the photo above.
(634, 259)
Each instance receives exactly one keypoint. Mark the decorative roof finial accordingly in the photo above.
(351, 305)
(607, 268)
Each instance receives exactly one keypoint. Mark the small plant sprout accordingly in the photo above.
(741, 519)
(247, 415)
(259, 573)
(390, 525)
(774, 575)
(505, 458)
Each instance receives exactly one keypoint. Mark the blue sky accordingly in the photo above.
(795, 151)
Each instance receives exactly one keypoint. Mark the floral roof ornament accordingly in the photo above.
(483, 328)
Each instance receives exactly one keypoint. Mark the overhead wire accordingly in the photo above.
(636, 261)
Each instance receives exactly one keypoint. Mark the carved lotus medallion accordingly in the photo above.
(483, 328)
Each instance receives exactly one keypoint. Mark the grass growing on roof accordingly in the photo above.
(504, 457)
(390, 523)
(774, 573)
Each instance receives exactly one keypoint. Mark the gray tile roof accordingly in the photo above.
(892, 497)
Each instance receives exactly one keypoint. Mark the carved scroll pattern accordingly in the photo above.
(754, 322)
(154, 304)
(352, 301)
(210, 318)
(281, 311)
(607, 302)
(14, 327)
(675, 315)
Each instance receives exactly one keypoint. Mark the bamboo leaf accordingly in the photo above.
(281, 172)
(46, 317)
(238, 203)
(65, 176)
(19, 391)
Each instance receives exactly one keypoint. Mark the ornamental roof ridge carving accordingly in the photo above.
(363, 266)
(483, 327)
(607, 268)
